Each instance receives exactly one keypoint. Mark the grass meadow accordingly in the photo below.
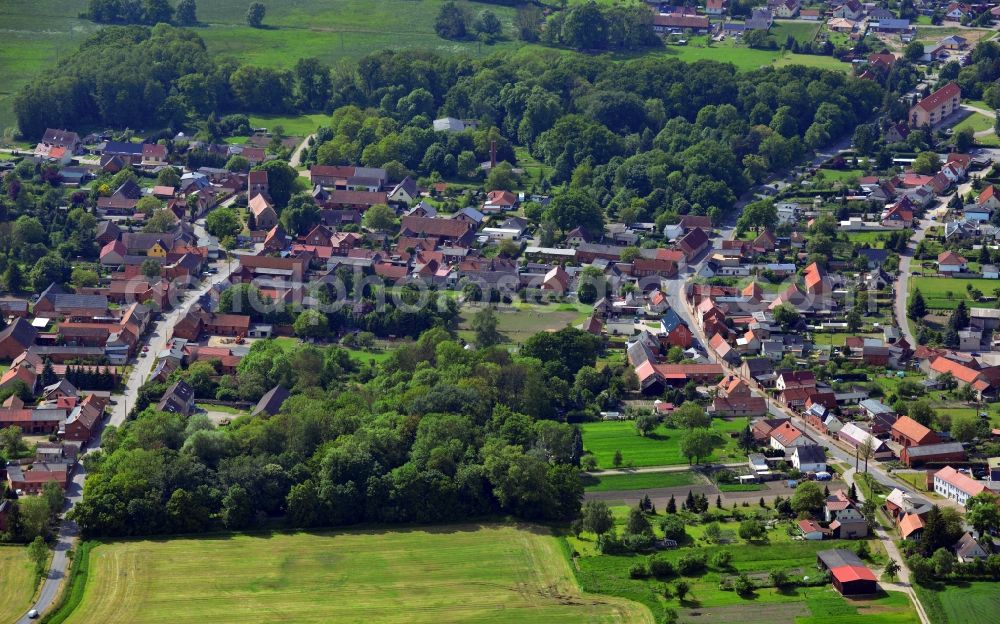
(935, 290)
(660, 448)
(17, 582)
(441, 574)
(639, 481)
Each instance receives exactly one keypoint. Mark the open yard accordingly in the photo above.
(17, 582)
(523, 320)
(976, 121)
(441, 574)
(297, 125)
(936, 290)
(639, 481)
(660, 448)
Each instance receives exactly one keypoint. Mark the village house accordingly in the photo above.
(959, 487)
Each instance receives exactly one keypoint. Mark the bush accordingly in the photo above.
(722, 560)
(637, 541)
(609, 544)
(673, 527)
(661, 568)
(743, 585)
(691, 564)
(638, 571)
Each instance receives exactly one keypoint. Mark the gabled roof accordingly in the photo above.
(963, 482)
(940, 96)
(910, 428)
(271, 402)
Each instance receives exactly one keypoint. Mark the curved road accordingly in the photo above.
(141, 368)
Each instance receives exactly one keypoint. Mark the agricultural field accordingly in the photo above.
(443, 574)
(639, 481)
(744, 58)
(660, 448)
(17, 582)
(966, 603)
(36, 35)
(935, 290)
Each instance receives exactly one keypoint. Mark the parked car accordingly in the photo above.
(792, 483)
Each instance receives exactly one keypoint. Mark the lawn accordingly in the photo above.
(225, 409)
(660, 448)
(441, 574)
(803, 32)
(976, 121)
(296, 125)
(874, 239)
(638, 481)
(17, 582)
(523, 321)
(935, 290)
(840, 175)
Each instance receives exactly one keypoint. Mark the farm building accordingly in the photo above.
(850, 576)
(928, 453)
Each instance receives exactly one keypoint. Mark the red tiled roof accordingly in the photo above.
(940, 96)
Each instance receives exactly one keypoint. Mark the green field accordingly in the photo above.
(976, 121)
(17, 582)
(935, 290)
(708, 602)
(638, 481)
(875, 240)
(442, 574)
(802, 31)
(297, 125)
(968, 603)
(660, 448)
(524, 320)
(841, 175)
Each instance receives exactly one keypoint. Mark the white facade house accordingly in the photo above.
(952, 484)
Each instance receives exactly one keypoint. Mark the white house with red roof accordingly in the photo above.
(959, 487)
(951, 262)
(786, 436)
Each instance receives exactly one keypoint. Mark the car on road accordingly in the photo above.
(145, 348)
(33, 614)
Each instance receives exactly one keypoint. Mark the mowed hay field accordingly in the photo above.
(443, 574)
(662, 447)
(17, 582)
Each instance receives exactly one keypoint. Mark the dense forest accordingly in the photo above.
(436, 433)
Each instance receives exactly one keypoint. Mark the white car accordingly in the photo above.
(33, 614)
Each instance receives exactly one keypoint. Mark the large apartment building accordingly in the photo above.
(937, 106)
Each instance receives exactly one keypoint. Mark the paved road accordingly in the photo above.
(296, 158)
(68, 531)
(902, 285)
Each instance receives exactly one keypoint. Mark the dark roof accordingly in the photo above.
(838, 557)
(118, 147)
(21, 332)
(926, 450)
(811, 454)
(759, 365)
(62, 300)
(271, 402)
(671, 320)
(878, 256)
